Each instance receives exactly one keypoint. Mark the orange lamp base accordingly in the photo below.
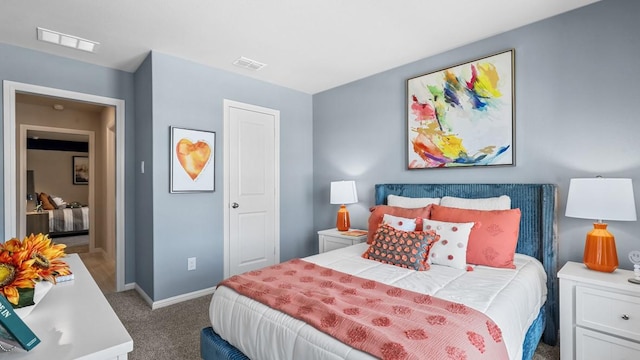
(342, 221)
(600, 249)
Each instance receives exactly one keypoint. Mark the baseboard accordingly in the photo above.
(172, 300)
(180, 298)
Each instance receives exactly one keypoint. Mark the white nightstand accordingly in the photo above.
(332, 239)
(599, 314)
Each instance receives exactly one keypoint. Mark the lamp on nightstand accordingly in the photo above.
(601, 199)
(343, 192)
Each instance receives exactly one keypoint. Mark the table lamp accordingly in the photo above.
(343, 192)
(601, 199)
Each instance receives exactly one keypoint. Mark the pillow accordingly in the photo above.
(450, 249)
(59, 202)
(407, 249)
(44, 200)
(55, 206)
(399, 223)
(410, 203)
(494, 203)
(377, 214)
(493, 239)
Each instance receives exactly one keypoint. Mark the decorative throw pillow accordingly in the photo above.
(493, 239)
(53, 203)
(493, 203)
(451, 247)
(44, 200)
(399, 223)
(410, 203)
(407, 249)
(377, 213)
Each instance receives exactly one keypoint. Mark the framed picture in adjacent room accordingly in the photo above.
(192, 160)
(80, 170)
(463, 115)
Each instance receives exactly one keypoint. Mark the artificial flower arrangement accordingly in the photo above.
(25, 263)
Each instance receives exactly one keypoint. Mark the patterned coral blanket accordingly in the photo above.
(382, 320)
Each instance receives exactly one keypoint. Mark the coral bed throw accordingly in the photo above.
(382, 320)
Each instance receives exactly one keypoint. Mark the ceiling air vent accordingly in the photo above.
(67, 40)
(249, 64)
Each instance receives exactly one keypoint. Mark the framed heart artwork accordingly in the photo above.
(192, 160)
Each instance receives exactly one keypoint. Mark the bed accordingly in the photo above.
(64, 219)
(248, 324)
(68, 221)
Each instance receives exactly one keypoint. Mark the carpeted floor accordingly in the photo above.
(173, 332)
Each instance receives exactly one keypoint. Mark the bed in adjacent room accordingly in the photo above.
(64, 219)
(506, 303)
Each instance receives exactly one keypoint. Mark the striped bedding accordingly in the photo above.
(65, 220)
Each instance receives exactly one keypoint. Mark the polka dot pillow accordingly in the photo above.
(451, 248)
(407, 249)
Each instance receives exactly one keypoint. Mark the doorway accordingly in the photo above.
(251, 187)
(15, 185)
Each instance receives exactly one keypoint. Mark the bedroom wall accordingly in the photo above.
(190, 95)
(575, 117)
(33, 67)
(52, 174)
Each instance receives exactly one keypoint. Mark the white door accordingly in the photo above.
(251, 187)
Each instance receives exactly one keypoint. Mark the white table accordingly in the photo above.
(75, 321)
(332, 239)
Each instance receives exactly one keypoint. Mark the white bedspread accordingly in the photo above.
(512, 298)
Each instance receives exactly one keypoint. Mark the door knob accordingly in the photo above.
(235, 205)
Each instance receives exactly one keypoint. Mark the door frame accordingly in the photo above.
(227, 105)
(10, 88)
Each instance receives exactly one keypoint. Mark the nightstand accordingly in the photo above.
(599, 314)
(332, 239)
(37, 222)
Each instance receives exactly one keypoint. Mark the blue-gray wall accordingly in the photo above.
(143, 78)
(576, 116)
(37, 68)
(190, 95)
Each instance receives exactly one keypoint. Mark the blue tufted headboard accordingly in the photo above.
(537, 203)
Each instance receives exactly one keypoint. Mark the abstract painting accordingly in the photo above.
(80, 170)
(463, 115)
(192, 160)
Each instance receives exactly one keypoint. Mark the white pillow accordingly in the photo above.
(399, 223)
(451, 248)
(58, 200)
(494, 203)
(410, 203)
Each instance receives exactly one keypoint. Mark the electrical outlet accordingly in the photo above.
(191, 263)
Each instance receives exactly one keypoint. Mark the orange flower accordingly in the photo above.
(23, 263)
(47, 256)
(16, 271)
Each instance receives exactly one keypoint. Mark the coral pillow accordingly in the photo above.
(377, 214)
(407, 249)
(46, 203)
(451, 247)
(493, 239)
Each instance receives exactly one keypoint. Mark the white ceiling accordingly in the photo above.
(309, 46)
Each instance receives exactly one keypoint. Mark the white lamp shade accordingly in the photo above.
(343, 192)
(601, 199)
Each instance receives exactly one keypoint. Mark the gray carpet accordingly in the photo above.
(173, 332)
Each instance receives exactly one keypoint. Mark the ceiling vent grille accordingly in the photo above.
(66, 40)
(249, 64)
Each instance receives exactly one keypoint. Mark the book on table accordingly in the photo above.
(354, 232)
(14, 331)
